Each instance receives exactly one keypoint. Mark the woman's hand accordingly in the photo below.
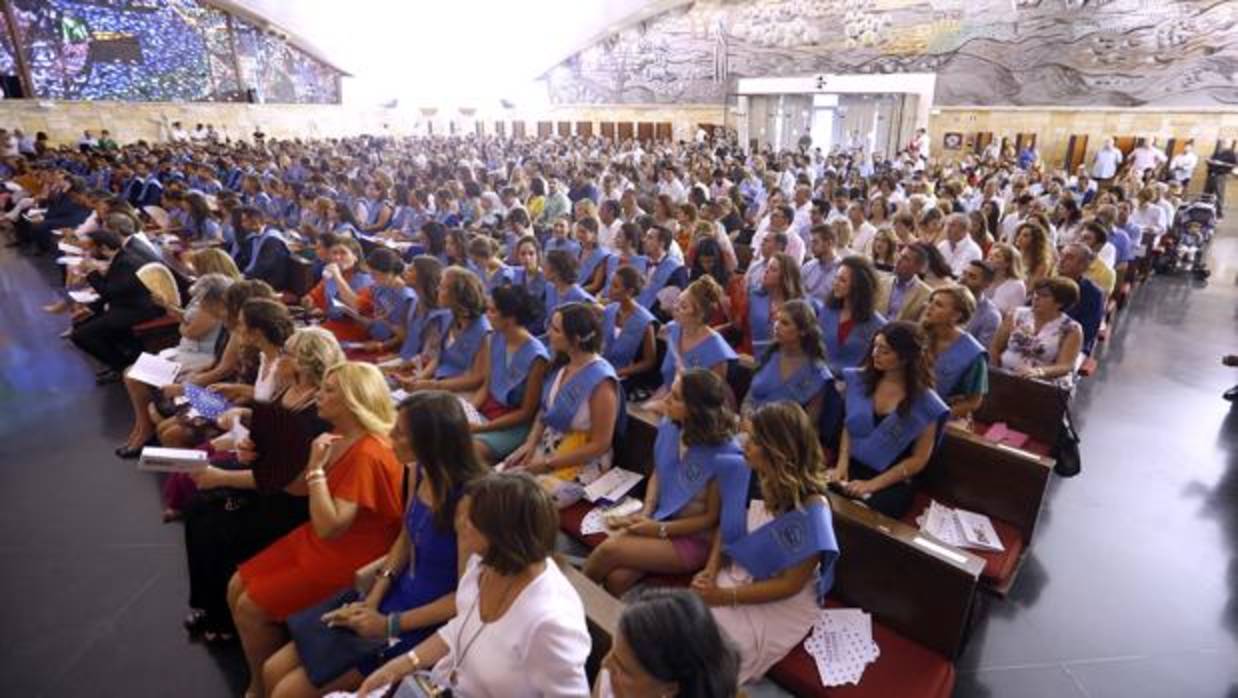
(229, 418)
(859, 488)
(386, 675)
(322, 450)
(232, 392)
(705, 578)
(520, 457)
(359, 618)
(208, 478)
(173, 390)
(246, 452)
(626, 523)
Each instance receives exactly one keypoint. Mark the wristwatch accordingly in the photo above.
(662, 530)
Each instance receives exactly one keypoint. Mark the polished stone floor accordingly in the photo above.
(1130, 590)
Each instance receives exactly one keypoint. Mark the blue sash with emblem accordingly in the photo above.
(416, 327)
(800, 387)
(621, 350)
(589, 264)
(570, 246)
(457, 355)
(499, 277)
(760, 324)
(577, 390)
(787, 541)
(709, 352)
(256, 242)
(878, 444)
(955, 361)
(574, 294)
(681, 478)
(537, 286)
(508, 377)
(661, 275)
(390, 305)
(851, 352)
(331, 290)
(613, 262)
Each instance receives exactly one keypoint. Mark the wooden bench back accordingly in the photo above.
(1030, 406)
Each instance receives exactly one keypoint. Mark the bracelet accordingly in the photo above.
(386, 573)
(393, 625)
(319, 478)
(412, 657)
(662, 530)
(315, 472)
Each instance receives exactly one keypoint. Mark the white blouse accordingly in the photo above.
(1008, 295)
(537, 648)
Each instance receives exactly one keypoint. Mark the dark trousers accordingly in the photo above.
(1215, 184)
(893, 501)
(108, 336)
(224, 529)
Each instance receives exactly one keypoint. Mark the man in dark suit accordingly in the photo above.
(124, 301)
(67, 207)
(263, 253)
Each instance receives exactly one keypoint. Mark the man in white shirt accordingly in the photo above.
(1144, 157)
(780, 222)
(803, 212)
(770, 244)
(1106, 161)
(178, 133)
(862, 232)
(199, 133)
(671, 186)
(818, 273)
(1183, 165)
(87, 141)
(608, 215)
(958, 248)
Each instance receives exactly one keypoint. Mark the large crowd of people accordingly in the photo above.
(519, 295)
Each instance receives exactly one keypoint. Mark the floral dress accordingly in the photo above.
(1028, 348)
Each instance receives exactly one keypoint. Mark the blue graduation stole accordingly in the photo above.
(372, 209)
(508, 378)
(568, 244)
(661, 274)
(501, 277)
(621, 351)
(681, 478)
(613, 262)
(878, 444)
(787, 541)
(574, 294)
(801, 387)
(457, 355)
(851, 352)
(331, 290)
(573, 393)
(418, 323)
(392, 305)
(257, 241)
(956, 360)
(131, 189)
(589, 264)
(760, 325)
(537, 286)
(706, 354)
(261, 200)
(346, 229)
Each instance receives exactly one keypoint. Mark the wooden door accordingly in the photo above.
(1076, 152)
(644, 131)
(626, 133)
(608, 129)
(1125, 144)
(1024, 140)
(981, 141)
(664, 131)
(584, 129)
(518, 129)
(479, 128)
(544, 129)
(565, 129)
(1175, 146)
(500, 128)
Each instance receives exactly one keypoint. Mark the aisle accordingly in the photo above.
(1127, 593)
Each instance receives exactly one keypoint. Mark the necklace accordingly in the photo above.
(463, 650)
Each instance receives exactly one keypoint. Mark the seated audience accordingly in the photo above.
(663, 269)
(793, 367)
(1007, 291)
(1042, 341)
(337, 297)
(515, 368)
(1089, 310)
(628, 331)
(849, 319)
(690, 341)
(460, 362)
(780, 284)
(985, 318)
(960, 361)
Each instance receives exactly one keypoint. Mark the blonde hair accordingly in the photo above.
(315, 351)
(1014, 266)
(162, 285)
(213, 260)
(796, 470)
(366, 395)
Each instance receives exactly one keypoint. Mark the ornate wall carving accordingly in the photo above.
(1121, 53)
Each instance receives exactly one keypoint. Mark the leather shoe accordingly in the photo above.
(126, 453)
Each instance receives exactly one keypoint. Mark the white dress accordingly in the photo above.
(537, 648)
(1027, 348)
(1008, 295)
(767, 632)
(568, 492)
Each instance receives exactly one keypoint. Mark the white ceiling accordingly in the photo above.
(468, 52)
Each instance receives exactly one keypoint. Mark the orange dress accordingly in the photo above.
(345, 329)
(301, 569)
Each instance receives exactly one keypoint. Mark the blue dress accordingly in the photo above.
(432, 574)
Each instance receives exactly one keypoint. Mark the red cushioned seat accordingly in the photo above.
(572, 517)
(367, 357)
(1032, 446)
(905, 669)
(998, 567)
(162, 322)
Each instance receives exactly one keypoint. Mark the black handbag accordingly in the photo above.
(1066, 450)
(327, 653)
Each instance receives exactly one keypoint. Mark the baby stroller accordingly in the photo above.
(1183, 247)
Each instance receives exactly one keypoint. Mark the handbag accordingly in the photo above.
(327, 653)
(1066, 449)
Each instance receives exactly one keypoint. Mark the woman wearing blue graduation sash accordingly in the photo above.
(200, 223)
(378, 210)
(592, 259)
(960, 366)
(627, 253)
(384, 304)
(561, 269)
(530, 276)
(581, 409)
(663, 270)
(337, 296)
(690, 341)
(483, 256)
(770, 595)
(460, 365)
(699, 486)
(628, 333)
(793, 368)
(780, 283)
(850, 320)
(559, 238)
(425, 322)
(511, 392)
(893, 421)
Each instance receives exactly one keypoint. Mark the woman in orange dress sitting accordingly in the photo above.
(354, 485)
(338, 295)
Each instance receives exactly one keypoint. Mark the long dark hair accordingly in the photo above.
(708, 421)
(582, 326)
(805, 319)
(443, 445)
(676, 640)
(907, 340)
(863, 295)
(709, 247)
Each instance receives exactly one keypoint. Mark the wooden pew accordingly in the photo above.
(1006, 484)
(1033, 407)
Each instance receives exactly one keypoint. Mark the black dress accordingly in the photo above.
(225, 527)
